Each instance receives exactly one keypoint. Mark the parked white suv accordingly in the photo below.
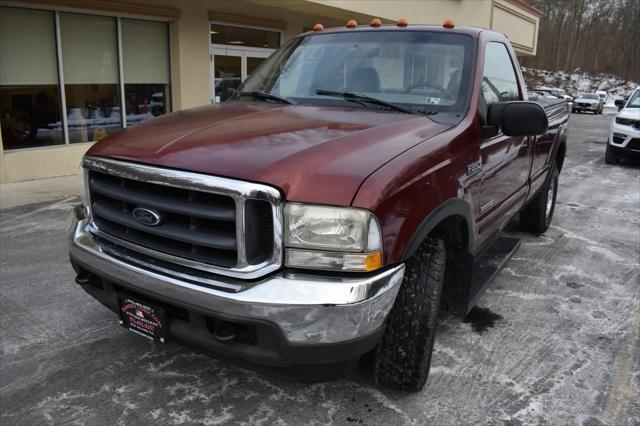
(624, 137)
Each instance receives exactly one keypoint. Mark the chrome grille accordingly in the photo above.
(212, 224)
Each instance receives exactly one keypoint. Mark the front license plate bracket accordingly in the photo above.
(143, 318)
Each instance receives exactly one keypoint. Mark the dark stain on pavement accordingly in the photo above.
(482, 319)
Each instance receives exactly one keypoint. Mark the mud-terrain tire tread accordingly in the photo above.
(610, 157)
(403, 357)
(533, 217)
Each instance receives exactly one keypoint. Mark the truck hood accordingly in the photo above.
(313, 154)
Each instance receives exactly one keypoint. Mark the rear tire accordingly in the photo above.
(610, 157)
(536, 216)
(403, 357)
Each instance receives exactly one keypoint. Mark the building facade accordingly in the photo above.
(73, 72)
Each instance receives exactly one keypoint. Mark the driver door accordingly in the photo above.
(505, 160)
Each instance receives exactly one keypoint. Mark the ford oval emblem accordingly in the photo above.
(146, 216)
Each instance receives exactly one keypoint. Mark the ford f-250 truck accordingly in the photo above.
(359, 179)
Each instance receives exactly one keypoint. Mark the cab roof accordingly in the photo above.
(472, 31)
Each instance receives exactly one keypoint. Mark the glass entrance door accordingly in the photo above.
(230, 67)
(226, 66)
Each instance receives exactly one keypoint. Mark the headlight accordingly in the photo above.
(624, 121)
(332, 238)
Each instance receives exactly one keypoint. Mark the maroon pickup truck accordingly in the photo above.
(356, 183)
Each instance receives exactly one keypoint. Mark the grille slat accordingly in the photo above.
(211, 224)
(225, 259)
(195, 225)
(162, 202)
(187, 235)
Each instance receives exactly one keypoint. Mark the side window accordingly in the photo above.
(499, 82)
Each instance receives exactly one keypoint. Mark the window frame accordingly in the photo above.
(120, 66)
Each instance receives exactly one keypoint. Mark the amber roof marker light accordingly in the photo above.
(402, 23)
(449, 23)
(318, 27)
(376, 22)
(352, 23)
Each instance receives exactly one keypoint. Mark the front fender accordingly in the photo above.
(415, 191)
(450, 208)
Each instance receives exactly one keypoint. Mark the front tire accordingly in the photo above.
(536, 216)
(403, 357)
(610, 157)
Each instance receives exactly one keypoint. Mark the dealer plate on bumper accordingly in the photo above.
(144, 318)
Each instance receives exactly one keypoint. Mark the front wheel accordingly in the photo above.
(536, 216)
(403, 357)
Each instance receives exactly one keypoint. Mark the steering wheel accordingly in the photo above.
(423, 83)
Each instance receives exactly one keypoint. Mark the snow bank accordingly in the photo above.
(578, 82)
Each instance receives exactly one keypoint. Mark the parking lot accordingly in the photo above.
(557, 339)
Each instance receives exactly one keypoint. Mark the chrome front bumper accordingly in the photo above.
(308, 309)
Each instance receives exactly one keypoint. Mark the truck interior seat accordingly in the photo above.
(454, 83)
(363, 79)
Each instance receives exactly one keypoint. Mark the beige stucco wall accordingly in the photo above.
(37, 163)
(520, 25)
(463, 12)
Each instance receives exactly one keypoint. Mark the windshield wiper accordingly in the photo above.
(359, 97)
(259, 94)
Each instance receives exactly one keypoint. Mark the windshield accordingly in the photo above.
(634, 101)
(419, 70)
(589, 96)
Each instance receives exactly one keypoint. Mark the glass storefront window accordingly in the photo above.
(145, 50)
(239, 36)
(35, 43)
(29, 95)
(90, 63)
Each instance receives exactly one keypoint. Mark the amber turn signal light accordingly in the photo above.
(376, 22)
(449, 23)
(351, 23)
(373, 261)
(318, 27)
(402, 22)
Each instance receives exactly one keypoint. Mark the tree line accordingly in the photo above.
(594, 36)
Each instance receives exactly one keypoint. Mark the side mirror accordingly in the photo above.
(518, 118)
(619, 103)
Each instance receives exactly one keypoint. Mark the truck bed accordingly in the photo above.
(553, 107)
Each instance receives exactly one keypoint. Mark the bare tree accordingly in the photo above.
(595, 36)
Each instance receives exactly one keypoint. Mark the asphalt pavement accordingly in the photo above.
(557, 338)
